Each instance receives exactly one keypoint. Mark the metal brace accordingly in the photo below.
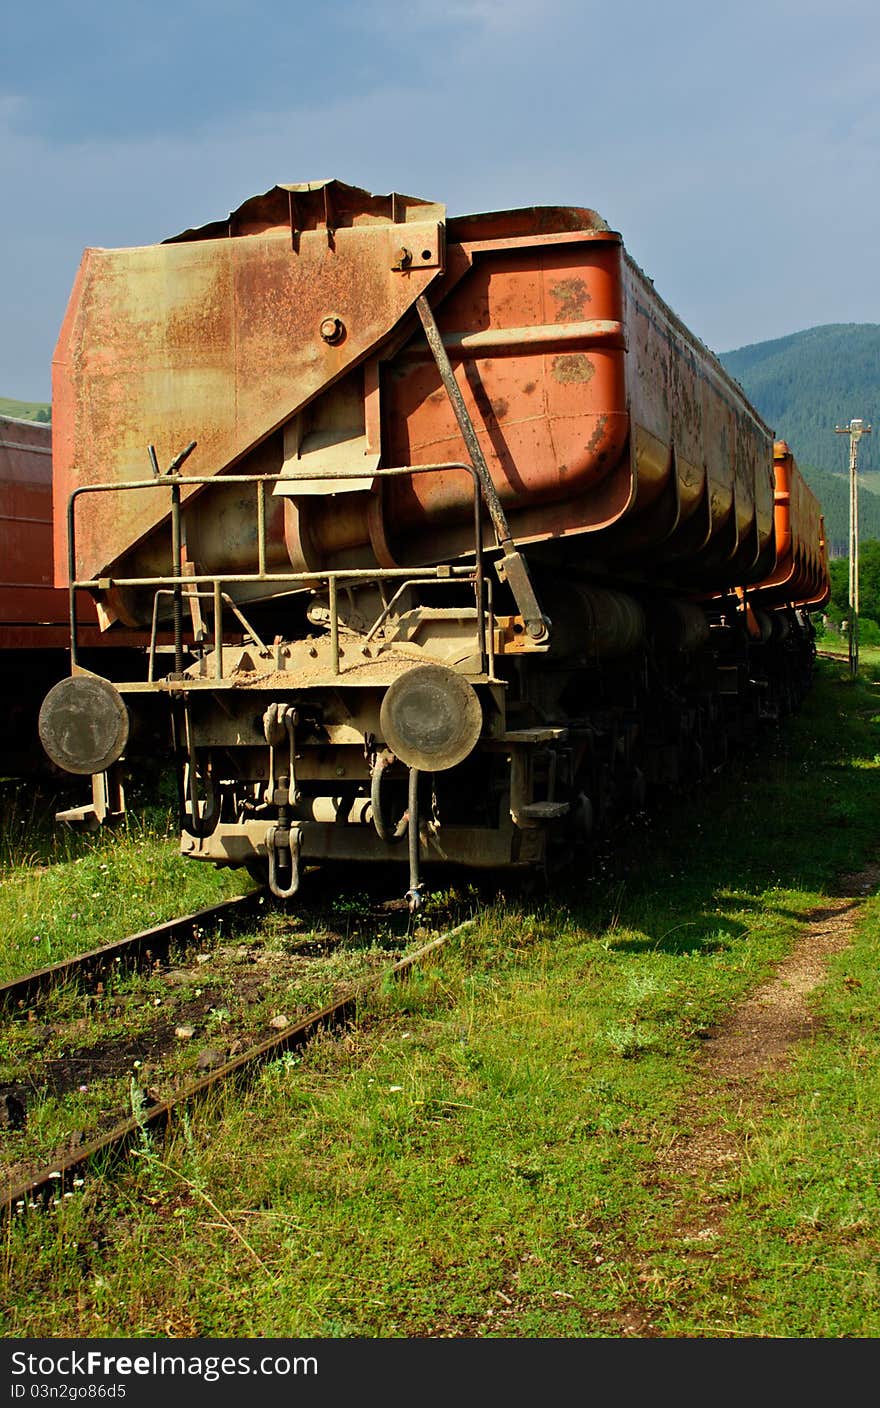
(513, 567)
(279, 721)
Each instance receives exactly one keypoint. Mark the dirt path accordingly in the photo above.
(758, 1036)
(756, 1040)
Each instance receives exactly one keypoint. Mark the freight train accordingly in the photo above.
(465, 541)
(35, 614)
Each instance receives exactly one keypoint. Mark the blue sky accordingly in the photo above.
(735, 148)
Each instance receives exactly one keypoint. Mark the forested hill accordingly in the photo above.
(832, 491)
(804, 386)
(807, 384)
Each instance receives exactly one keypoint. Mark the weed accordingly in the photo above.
(629, 1041)
(118, 884)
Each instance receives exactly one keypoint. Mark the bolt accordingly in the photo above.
(403, 258)
(332, 330)
(536, 629)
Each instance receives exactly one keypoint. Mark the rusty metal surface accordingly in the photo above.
(628, 429)
(596, 411)
(312, 205)
(534, 334)
(374, 398)
(213, 340)
(701, 445)
(27, 594)
(34, 614)
(800, 575)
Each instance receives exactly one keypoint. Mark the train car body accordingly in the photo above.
(463, 536)
(34, 627)
(34, 612)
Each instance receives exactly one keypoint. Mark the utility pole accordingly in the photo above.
(855, 430)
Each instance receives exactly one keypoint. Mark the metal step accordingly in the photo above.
(535, 735)
(543, 811)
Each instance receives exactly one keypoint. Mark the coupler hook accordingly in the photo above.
(385, 830)
(284, 841)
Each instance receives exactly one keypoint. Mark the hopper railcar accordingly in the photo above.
(465, 540)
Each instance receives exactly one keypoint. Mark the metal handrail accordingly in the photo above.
(218, 632)
(174, 584)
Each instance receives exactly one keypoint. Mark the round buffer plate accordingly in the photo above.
(83, 724)
(431, 718)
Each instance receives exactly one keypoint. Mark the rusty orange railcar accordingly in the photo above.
(461, 533)
(800, 576)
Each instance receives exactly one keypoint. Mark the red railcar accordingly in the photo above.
(505, 543)
(34, 613)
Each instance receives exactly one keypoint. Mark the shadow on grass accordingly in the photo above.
(788, 818)
(724, 937)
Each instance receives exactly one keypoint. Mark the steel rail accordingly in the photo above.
(49, 1185)
(148, 943)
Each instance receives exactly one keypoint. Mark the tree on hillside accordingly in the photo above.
(838, 569)
(869, 583)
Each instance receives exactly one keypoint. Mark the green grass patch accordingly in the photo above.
(102, 888)
(481, 1152)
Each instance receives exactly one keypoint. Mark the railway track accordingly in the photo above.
(147, 946)
(45, 1186)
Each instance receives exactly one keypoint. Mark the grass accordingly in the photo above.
(227, 997)
(97, 888)
(480, 1154)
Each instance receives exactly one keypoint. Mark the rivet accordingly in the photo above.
(332, 330)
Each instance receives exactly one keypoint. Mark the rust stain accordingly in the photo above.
(216, 341)
(529, 388)
(571, 295)
(574, 366)
(597, 436)
(500, 406)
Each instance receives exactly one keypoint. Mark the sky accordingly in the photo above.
(734, 147)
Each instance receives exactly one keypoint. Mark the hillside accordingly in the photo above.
(832, 490)
(804, 386)
(807, 384)
(25, 410)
